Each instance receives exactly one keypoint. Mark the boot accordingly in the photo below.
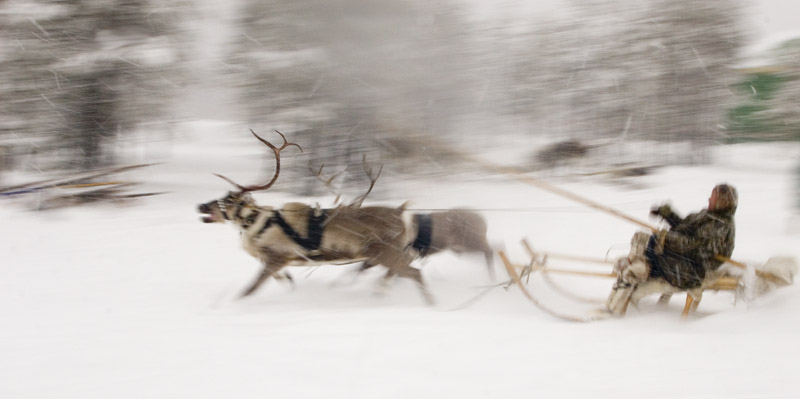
(619, 298)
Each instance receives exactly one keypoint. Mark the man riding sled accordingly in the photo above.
(679, 258)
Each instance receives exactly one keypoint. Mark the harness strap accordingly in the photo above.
(424, 232)
(264, 228)
(315, 228)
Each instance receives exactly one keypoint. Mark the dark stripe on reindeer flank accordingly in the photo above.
(315, 227)
(424, 231)
(238, 215)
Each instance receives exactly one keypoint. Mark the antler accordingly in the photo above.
(277, 151)
(327, 182)
(372, 179)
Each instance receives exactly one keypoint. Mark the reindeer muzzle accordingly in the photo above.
(210, 215)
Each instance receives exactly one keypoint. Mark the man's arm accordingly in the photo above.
(666, 213)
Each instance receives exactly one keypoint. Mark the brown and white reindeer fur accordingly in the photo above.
(457, 230)
(297, 234)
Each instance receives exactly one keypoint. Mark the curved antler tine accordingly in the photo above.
(368, 170)
(267, 143)
(314, 170)
(372, 179)
(327, 181)
(318, 173)
(277, 151)
(240, 187)
(287, 143)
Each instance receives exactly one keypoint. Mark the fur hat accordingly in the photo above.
(727, 198)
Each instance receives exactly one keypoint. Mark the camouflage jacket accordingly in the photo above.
(690, 246)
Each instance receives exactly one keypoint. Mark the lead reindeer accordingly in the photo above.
(297, 234)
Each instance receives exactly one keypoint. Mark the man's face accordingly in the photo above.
(712, 200)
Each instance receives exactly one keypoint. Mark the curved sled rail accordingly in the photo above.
(516, 280)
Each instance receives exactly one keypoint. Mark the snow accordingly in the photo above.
(139, 300)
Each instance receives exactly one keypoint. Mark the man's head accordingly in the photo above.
(723, 197)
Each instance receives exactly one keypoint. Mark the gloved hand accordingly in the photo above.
(661, 210)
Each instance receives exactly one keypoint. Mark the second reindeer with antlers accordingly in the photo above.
(297, 234)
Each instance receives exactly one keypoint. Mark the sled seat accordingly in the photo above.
(717, 281)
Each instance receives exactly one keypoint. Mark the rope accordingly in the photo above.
(535, 209)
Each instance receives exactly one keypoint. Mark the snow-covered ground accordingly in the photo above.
(139, 301)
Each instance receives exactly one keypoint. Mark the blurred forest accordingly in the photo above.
(78, 77)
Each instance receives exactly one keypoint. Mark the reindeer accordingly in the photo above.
(457, 230)
(297, 234)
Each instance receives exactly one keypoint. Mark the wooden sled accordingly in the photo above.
(769, 276)
(539, 264)
(717, 282)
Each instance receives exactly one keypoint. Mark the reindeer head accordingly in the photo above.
(225, 208)
(230, 206)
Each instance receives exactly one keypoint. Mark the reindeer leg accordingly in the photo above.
(263, 276)
(489, 255)
(356, 272)
(364, 266)
(271, 267)
(286, 276)
(490, 265)
(383, 284)
(401, 264)
(411, 273)
(398, 261)
(377, 254)
(416, 275)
